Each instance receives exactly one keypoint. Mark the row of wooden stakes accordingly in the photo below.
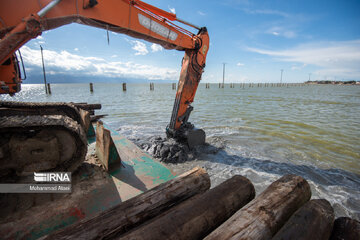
(207, 85)
(185, 208)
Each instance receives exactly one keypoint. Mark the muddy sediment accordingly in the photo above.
(169, 150)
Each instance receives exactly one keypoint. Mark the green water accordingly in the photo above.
(312, 131)
(318, 125)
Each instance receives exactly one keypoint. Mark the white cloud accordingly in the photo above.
(76, 49)
(236, 2)
(39, 40)
(266, 12)
(298, 67)
(340, 58)
(289, 34)
(140, 48)
(281, 31)
(201, 13)
(66, 63)
(172, 10)
(240, 64)
(156, 47)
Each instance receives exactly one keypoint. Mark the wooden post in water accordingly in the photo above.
(223, 75)
(91, 88)
(174, 86)
(124, 86)
(43, 65)
(48, 88)
(151, 86)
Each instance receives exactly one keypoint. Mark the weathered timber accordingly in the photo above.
(92, 112)
(105, 148)
(85, 117)
(88, 106)
(313, 221)
(345, 229)
(267, 213)
(139, 209)
(97, 117)
(197, 217)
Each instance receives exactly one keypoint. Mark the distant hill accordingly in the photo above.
(63, 78)
(353, 82)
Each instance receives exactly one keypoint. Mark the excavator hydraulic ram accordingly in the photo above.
(22, 126)
(193, 65)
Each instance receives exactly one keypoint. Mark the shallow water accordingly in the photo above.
(312, 131)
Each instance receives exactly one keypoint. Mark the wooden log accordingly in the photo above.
(313, 221)
(91, 88)
(85, 117)
(88, 106)
(105, 148)
(97, 117)
(91, 112)
(197, 217)
(345, 229)
(137, 210)
(267, 213)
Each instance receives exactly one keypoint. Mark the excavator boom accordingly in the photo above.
(23, 20)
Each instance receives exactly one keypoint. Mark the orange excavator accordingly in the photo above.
(44, 136)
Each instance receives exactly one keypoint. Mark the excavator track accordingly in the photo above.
(40, 137)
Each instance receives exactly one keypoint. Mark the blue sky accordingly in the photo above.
(254, 38)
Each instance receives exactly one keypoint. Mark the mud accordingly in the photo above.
(169, 150)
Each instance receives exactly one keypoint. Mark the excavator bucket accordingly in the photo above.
(195, 137)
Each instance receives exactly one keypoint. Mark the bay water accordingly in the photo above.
(264, 132)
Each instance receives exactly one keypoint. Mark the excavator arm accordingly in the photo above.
(22, 20)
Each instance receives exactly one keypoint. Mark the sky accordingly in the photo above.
(313, 39)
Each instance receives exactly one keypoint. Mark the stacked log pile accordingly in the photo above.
(184, 208)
